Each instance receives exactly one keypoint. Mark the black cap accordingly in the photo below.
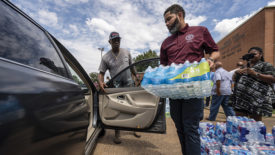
(114, 35)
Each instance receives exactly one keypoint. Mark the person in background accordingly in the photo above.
(115, 60)
(221, 92)
(253, 90)
(239, 65)
(186, 43)
(212, 72)
(107, 79)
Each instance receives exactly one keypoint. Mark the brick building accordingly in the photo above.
(259, 30)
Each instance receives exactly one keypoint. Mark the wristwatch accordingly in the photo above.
(258, 74)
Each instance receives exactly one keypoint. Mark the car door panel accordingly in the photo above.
(130, 109)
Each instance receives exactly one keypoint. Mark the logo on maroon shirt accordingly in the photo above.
(189, 37)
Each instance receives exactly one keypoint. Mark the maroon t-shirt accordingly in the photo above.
(188, 44)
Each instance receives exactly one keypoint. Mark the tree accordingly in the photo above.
(146, 55)
(77, 80)
(93, 76)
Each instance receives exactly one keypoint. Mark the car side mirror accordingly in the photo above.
(84, 89)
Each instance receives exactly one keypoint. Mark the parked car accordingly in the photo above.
(48, 103)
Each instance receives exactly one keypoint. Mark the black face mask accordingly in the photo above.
(175, 27)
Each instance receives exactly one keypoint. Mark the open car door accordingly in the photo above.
(129, 106)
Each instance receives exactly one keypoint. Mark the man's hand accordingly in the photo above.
(102, 85)
(101, 81)
(137, 81)
(213, 57)
(210, 62)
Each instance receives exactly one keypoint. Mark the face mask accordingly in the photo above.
(175, 27)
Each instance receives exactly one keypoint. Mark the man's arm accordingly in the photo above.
(133, 70)
(218, 84)
(218, 78)
(210, 47)
(163, 56)
(101, 81)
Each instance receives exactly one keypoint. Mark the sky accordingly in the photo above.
(83, 26)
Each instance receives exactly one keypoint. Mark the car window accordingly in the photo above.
(76, 78)
(24, 42)
(120, 80)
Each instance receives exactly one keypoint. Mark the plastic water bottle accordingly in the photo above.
(229, 124)
(220, 132)
(261, 131)
(234, 129)
(147, 76)
(243, 132)
(273, 133)
(158, 75)
(269, 139)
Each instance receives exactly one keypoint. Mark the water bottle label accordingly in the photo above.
(194, 71)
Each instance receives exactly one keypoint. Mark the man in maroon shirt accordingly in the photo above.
(186, 43)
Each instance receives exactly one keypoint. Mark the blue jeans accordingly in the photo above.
(215, 105)
(186, 115)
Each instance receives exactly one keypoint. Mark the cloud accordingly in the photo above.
(194, 21)
(225, 26)
(66, 3)
(139, 29)
(83, 26)
(47, 18)
(85, 52)
(74, 29)
(100, 25)
(271, 3)
(134, 53)
(77, 1)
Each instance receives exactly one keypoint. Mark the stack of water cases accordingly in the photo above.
(239, 135)
(182, 81)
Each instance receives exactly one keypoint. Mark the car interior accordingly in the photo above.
(129, 105)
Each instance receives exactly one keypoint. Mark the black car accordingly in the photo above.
(48, 103)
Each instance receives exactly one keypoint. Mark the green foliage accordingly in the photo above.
(146, 55)
(77, 80)
(93, 76)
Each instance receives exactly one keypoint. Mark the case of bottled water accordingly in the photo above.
(236, 150)
(220, 131)
(188, 80)
(210, 146)
(207, 129)
(273, 133)
(239, 135)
